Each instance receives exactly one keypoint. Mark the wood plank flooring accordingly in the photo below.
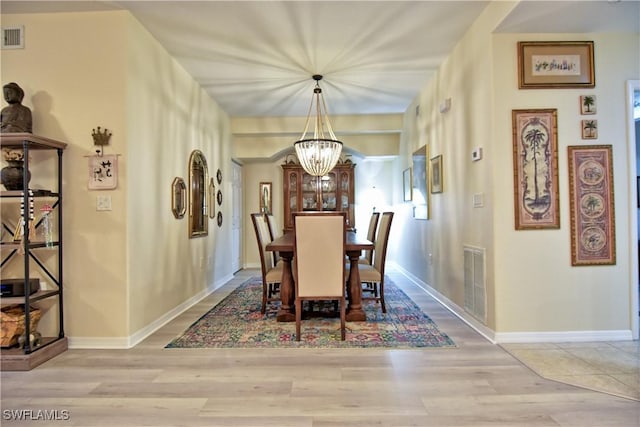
(475, 384)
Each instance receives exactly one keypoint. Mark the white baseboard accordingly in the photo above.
(516, 337)
(140, 335)
(563, 336)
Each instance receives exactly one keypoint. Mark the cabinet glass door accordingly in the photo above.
(293, 192)
(309, 192)
(328, 188)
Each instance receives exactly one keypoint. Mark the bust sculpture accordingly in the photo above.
(15, 117)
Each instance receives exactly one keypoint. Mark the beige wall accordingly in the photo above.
(126, 269)
(532, 289)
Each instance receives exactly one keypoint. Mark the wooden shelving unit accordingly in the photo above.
(28, 357)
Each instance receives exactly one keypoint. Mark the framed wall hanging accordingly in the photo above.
(591, 200)
(198, 182)
(265, 197)
(588, 104)
(103, 172)
(535, 169)
(211, 197)
(550, 65)
(178, 197)
(436, 174)
(589, 129)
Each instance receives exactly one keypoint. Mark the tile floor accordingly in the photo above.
(609, 367)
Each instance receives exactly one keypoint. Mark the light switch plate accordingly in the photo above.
(103, 203)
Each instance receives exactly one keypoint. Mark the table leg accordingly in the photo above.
(355, 313)
(287, 290)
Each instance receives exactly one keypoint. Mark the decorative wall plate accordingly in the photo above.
(219, 197)
(219, 219)
(219, 176)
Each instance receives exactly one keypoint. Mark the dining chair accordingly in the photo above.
(319, 272)
(274, 233)
(367, 257)
(373, 274)
(271, 273)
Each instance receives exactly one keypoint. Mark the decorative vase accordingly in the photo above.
(12, 175)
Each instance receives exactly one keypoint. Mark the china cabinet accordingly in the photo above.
(31, 249)
(332, 192)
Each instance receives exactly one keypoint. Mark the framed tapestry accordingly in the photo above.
(265, 198)
(549, 65)
(535, 169)
(592, 211)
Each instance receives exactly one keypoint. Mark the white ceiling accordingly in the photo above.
(256, 58)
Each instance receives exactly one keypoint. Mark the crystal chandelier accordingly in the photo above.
(319, 154)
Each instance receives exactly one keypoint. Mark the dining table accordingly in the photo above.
(354, 245)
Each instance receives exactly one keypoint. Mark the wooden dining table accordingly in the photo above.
(354, 245)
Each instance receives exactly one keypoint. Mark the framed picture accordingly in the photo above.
(562, 64)
(535, 169)
(211, 196)
(178, 197)
(589, 129)
(103, 172)
(420, 177)
(638, 189)
(265, 198)
(588, 105)
(406, 184)
(436, 174)
(591, 200)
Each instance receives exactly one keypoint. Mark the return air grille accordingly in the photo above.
(13, 37)
(475, 296)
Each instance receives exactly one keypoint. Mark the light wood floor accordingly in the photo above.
(475, 384)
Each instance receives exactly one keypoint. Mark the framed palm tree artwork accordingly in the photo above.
(588, 104)
(535, 171)
(589, 129)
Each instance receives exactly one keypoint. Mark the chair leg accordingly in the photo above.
(343, 313)
(263, 309)
(298, 305)
(384, 307)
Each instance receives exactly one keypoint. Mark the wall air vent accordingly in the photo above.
(475, 295)
(13, 37)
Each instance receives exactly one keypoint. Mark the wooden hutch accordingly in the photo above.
(332, 192)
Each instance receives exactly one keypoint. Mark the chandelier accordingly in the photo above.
(319, 154)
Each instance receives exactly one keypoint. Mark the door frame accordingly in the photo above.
(633, 86)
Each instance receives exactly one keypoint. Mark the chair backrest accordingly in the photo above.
(380, 251)
(262, 236)
(319, 252)
(274, 233)
(371, 235)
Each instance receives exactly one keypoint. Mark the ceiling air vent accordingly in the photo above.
(13, 37)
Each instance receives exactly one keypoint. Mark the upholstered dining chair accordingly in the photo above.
(271, 273)
(367, 257)
(319, 271)
(373, 275)
(274, 233)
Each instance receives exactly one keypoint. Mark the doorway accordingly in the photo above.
(236, 217)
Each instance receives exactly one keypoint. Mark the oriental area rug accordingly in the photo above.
(236, 322)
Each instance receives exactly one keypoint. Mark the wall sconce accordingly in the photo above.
(100, 139)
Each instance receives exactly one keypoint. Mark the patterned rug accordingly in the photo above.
(236, 322)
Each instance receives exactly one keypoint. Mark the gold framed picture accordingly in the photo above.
(436, 174)
(550, 65)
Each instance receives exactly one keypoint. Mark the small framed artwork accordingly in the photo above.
(436, 174)
(406, 184)
(535, 169)
(589, 129)
(211, 196)
(588, 105)
(591, 202)
(178, 197)
(420, 177)
(265, 198)
(550, 65)
(103, 172)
